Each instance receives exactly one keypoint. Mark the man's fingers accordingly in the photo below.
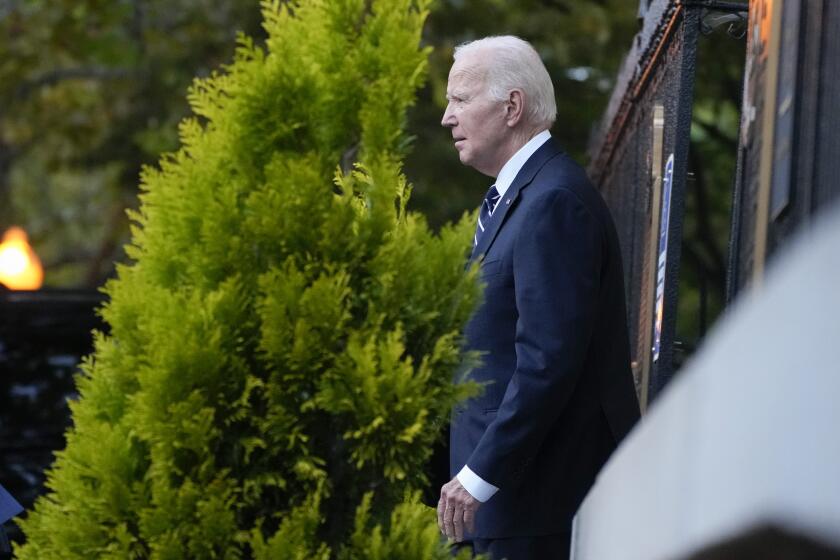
(448, 526)
(441, 507)
(458, 522)
(469, 518)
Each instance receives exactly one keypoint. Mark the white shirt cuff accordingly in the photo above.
(475, 485)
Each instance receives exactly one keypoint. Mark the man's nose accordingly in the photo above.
(448, 119)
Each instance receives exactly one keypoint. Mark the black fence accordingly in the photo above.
(787, 151)
(639, 162)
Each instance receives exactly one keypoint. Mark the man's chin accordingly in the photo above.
(470, 161)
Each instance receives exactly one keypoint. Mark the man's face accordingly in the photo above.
(477, 122)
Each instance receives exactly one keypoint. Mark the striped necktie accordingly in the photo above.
(486, 211)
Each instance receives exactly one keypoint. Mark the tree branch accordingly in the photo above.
(53, 77)
(103, 258)
(68, 257)
(136, 25)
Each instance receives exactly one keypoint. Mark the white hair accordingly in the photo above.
(515, 64)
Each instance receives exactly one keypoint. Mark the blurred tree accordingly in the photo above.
(91, 90)
(582, 43)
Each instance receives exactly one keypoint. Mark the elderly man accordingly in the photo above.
(558, 394)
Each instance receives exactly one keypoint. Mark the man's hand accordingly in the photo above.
(455, 510)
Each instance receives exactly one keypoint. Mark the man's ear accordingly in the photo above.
(515, 107)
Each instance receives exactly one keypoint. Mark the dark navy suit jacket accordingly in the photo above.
(559, 392)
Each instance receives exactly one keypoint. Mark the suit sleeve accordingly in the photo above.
(556, 266)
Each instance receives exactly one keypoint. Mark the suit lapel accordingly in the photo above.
(508, 201)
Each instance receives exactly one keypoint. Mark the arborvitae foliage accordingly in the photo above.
(281, 349)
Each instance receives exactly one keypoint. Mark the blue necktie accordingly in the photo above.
(486, 211)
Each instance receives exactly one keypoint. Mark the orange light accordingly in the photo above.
(20, 267)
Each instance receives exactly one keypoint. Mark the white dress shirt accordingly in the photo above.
(511, 169)
(479, 488)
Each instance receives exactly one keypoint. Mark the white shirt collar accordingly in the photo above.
(511, 169)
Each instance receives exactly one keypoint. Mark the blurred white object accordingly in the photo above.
(746, 436)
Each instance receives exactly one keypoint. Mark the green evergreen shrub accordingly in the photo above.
(281, 348)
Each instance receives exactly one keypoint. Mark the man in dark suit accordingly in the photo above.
(559, 393)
